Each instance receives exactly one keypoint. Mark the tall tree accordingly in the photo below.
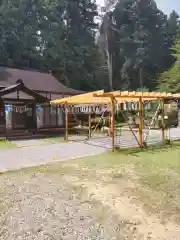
(103, 40)
(52, 35)
(19, 31)
(170, 80)
(81, 28)
(172, 27)
(138, 38)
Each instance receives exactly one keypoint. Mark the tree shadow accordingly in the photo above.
(152, 149)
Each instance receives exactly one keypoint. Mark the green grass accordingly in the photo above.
(157, 171)
(6, 144)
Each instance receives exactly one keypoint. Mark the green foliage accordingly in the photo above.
(121, 116)
(140, 37)
(60, 36)
(144, 89)
(52, 35)
(170, 80)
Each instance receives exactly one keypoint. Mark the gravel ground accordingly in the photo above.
(29, 156)
(95, 199)
(37, 152)
(42, 206)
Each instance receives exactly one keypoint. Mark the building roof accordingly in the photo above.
(34, 80)
(4, 84)
(19, 87)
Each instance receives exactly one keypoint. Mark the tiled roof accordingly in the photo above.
(34, 80)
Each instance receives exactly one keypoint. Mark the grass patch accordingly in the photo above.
(155, 172)
(6, 144)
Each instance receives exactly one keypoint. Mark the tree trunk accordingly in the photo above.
(141, 77)
(109, 59)
(110, 71)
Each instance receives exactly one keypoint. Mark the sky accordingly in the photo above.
(165, 5)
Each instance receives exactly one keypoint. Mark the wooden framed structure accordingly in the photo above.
(18, 108)
(112, 98)
(34, 90)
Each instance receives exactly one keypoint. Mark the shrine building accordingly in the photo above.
(25, 97)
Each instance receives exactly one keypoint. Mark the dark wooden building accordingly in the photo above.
(25, 100)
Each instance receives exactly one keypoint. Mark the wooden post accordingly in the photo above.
(109, 108)
(140, 138)
(3, 130)
(89, 135)
(112, 123)
(35, 116)
(163, 125)
(49, 111)
(66, 119)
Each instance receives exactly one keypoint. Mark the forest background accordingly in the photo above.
(133, 45)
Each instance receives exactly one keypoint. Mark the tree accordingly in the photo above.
(169, 81)
(105, 32)
(52, 35)
(172, 27)
(19, 31)
(138, 39)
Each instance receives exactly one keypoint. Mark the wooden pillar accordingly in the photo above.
(89, 135)
(57, 106)
(66, 119)
(2, 118)
(163, 124)
(140, 137)
(49, 112)
(35, 115)
(112, 123)
(44, 114)
(109, 118)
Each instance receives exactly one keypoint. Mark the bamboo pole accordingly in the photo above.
(112, 124)
(66, 119)
(89, 135)
(140, 123)
(163, 124)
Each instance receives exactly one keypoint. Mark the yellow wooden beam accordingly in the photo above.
(104, 95)
(177, 95)
(140, 109)
(163, 123)
(87, 97)
(112, 124)
(133, 99)
(133, 94)
(66, 119)
(107, 94)
(89, 101)
(100, 97)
